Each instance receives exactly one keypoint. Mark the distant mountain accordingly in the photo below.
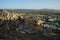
(50, 10)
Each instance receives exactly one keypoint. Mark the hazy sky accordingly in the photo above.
(29, 4)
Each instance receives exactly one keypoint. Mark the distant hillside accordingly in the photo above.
(35, 11)
(51, 10)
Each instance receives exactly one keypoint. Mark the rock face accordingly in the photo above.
(7, 15)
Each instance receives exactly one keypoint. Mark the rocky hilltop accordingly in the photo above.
(15, 26)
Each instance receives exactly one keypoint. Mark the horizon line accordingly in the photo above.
(29, 8)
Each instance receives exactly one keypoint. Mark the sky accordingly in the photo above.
(30, 4)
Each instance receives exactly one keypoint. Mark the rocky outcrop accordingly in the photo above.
(14, 27)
